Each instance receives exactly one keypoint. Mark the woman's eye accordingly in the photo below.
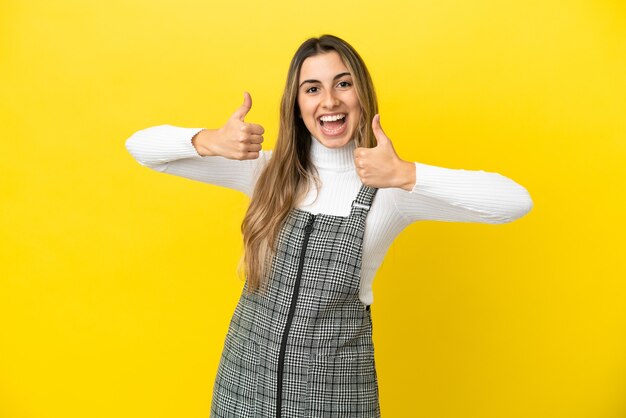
(344, 84)
(311, 90)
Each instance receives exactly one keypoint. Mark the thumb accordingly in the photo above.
(381, 138)
(243, 110)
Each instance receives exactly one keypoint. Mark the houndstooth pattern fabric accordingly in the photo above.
(311, 309)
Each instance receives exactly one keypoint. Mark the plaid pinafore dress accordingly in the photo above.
(304, 348)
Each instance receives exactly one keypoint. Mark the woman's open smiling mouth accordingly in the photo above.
(333, 125)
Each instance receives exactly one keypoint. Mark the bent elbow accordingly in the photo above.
(141, 148)
(133, 146)
(525, 206)
(518, 207)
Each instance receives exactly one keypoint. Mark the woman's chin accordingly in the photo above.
(334, 141)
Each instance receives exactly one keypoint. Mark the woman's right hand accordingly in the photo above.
(236, 140)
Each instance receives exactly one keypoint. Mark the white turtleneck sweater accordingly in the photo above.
(441, 194)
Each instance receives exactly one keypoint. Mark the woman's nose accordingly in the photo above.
(330, 100)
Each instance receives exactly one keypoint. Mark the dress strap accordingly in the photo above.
(361, 205)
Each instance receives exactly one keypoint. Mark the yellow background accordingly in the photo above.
(117, 283)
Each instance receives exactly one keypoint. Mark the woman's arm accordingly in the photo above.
(230, 156)
(458, 195)
(169, 149)
(426, 192)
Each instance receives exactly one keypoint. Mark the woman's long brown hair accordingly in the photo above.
(289, 172)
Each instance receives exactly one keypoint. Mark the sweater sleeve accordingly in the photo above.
(168, 149)
(457, 195)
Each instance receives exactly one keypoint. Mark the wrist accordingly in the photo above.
(203, 141)
(406, 175)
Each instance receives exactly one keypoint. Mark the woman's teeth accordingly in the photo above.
(331, 118)
(333, 125)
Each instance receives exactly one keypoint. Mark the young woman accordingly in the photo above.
(325, 206)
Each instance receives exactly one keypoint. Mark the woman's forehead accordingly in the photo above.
(322, 67)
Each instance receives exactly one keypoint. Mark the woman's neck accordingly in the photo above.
(334, 159)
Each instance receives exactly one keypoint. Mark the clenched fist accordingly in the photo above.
(380, 166)
(236, 140)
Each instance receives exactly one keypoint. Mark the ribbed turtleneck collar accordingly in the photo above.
(335, 159)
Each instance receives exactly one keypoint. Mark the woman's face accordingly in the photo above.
(327, 99)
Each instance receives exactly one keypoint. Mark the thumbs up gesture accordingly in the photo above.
(236, 140)
(381, 167)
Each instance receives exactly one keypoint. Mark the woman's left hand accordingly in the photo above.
(380, 166)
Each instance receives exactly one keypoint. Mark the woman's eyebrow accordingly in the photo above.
(317, 81)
